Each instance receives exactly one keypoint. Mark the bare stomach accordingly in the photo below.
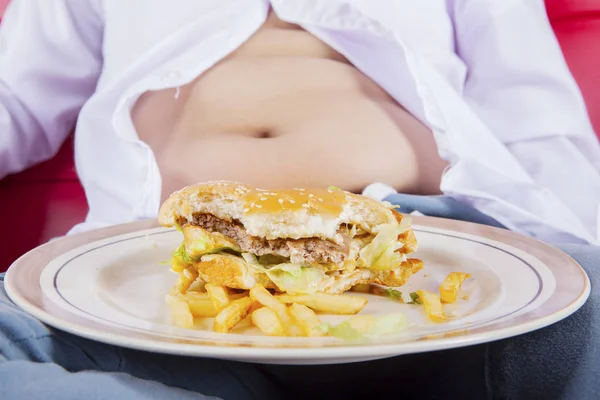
(279, 118)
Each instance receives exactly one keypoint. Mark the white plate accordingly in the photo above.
(109, 286)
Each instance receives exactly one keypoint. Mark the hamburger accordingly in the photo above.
(293, 241)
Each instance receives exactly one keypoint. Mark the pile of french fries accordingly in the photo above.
(274, 315)
(285, 314)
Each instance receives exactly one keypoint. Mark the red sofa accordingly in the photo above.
(56, 201)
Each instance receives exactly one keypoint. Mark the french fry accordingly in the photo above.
(197, 286)
(200, 304)
(186, 277)
(231, 315)
(260, 294)
(180, 311)
(451, 285)
(244, 324)
(268, 322)
(307, 319)
(294, 329)
(218, 294)
(255, 306)
(327, 303)
(433, 305)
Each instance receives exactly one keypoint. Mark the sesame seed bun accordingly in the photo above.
(274, 214)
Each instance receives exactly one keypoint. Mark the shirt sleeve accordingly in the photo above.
(519, 85)
(50, 61)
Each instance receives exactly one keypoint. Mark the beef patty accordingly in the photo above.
(305, 250)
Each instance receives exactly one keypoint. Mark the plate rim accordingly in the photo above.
(55, 248)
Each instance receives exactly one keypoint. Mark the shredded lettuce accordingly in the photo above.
(346, 332)
(394, 294)
(296, 279)
(381, 253)
(253, 262)
(200, 242)
(289, 277)
(387, 324)
(272, 259)
(181, 255)
(415, 299)
(365, 327)
(180, 259)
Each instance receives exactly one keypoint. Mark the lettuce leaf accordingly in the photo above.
(272, 259)
(182, 255)
(387, 324)
(199, 242)
(346, 332)
(381, 253)
(290, 278)
(180, 259)
(296, 279)
(363, 327)
(415, 299)
(394, 294)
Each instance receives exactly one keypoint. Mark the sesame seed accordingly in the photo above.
(280, 201)
(305, 206)
(246, 210)
(263, 198)
(302, 190)
(292, 201)
(320, 199)
(311, 195)
(258, 206)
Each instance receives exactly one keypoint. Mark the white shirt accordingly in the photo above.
(486, 76)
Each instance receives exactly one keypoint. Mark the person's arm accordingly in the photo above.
(50, 61)
(521, 88)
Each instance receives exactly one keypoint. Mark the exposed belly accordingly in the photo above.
(285, 110)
